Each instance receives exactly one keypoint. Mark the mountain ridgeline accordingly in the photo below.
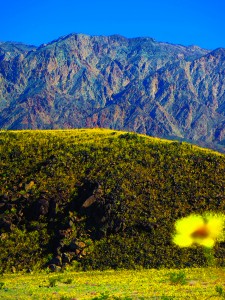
(136, 84)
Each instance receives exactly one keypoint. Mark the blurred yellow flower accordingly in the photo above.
(202, 230)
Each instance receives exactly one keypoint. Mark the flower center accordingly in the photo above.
(201, 232)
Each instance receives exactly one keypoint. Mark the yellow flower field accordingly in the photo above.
(199, 283)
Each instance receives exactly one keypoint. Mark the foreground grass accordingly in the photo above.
(199, 283)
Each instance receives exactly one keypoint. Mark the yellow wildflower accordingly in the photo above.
(196, 229)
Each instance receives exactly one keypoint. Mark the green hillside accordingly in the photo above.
(98, 198)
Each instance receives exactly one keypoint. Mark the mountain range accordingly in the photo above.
(132, 84)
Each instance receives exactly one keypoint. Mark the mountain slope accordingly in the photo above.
(103, 198)
(133, 84)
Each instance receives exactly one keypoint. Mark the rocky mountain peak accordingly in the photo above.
(135, 84)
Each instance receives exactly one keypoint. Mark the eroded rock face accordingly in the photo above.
(131, 84)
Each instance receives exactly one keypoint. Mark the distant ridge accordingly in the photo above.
(133, 84)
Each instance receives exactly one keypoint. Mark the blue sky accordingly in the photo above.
(186, 22)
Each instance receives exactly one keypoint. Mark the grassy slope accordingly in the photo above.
(140, 186)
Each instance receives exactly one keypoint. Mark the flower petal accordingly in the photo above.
(215, 224)
(182, 241)
(207, 242)
(189, 224)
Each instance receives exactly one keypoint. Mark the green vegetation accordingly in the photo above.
(100, 199)
(200, 283)
(178, 277)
